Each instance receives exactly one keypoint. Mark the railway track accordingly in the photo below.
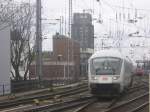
(132, 104)
(133, 91)
(42, 91)
(141, 80)
(80, 103)
(137, 88)
(102, 104)
(142, 108)
(62, 106)
(48, 96)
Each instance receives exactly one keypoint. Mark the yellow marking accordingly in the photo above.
(37, 102)
(12, 96)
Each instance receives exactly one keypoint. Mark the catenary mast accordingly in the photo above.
(38, 40)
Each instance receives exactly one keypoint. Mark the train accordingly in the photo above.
(109, 73)
(142, 67)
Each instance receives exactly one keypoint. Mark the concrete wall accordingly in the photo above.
(4, 59)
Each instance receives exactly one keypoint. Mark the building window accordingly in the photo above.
(85, 16)
(81, 28)
(81, 16)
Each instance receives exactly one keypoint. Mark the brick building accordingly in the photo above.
(64, 62)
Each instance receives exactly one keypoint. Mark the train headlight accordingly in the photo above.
(94, 78)
(116, 77)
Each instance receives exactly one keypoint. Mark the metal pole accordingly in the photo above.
(70, 17)
(38, 40)
(3, 89)
(60, 25)
(64, 73)
(69, 32)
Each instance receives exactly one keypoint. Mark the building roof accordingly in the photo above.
(109, 53)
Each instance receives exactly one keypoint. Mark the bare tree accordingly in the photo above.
(21, 49)
(22, 54)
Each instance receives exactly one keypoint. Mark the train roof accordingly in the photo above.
(109, 53)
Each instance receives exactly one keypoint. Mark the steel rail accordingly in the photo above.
(42, 97)
(43, 91)
(134, 89)
(42, 103)
(85, 106)
(140, 107)
(121, 105)
(110, 104)
(58, 107)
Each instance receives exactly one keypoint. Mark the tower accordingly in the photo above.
(83, 32)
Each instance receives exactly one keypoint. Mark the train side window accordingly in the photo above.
(127, 67)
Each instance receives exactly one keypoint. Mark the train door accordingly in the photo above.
(122, 81)
(129, 73)
(126, 73)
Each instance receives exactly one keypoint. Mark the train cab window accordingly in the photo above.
(106, 66)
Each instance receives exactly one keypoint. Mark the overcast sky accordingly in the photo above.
(53, 9)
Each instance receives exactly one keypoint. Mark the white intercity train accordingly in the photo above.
(109, 73)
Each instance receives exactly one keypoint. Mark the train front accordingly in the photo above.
(105, 76)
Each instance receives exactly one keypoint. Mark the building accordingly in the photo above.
(64, 62)
(83, 32)
(4, 59)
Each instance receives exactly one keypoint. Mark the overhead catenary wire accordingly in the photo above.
(123, 7)
(104, 2)
(126, 23)
(81, 5)
(114, 8)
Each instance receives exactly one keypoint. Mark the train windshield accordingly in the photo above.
(106, 66)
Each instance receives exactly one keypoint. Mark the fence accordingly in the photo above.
(4, 89)
(22, 86)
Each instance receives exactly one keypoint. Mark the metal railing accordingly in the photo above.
(22, 86)
(4, 89)
(28, 85)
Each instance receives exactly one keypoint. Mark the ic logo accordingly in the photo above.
(104, 78)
